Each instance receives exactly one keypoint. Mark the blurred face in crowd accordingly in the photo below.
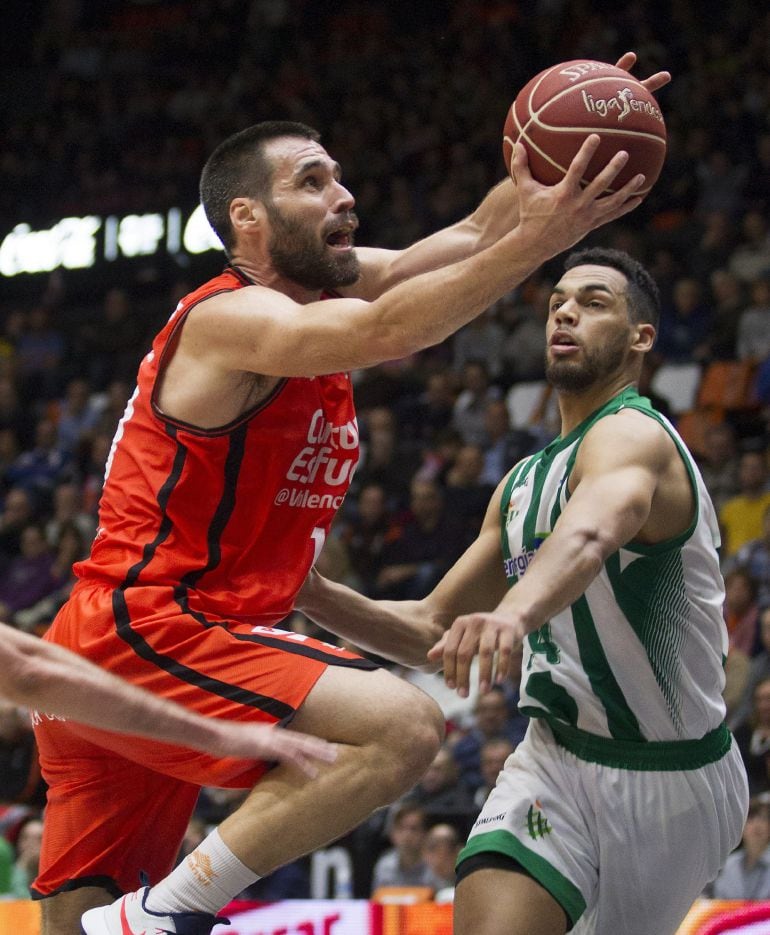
(494, 753)
(425, 501)
(739, 592)
(408, 834)
(311, 217)
(756, 832)
(371, 504)
(762, 703)
(753, 471)
(720, 444)
(440, 851)
(491, 713)
(33, 542)
(441, 774)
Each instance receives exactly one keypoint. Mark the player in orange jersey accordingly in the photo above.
(234, 453)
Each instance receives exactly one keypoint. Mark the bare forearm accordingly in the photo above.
(47, 678)
(402, 631)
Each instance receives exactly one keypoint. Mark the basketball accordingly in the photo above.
(555, 111)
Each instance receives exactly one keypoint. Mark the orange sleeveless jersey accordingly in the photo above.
(232, 518)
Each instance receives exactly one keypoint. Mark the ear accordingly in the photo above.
(247, 215)
(645, 337)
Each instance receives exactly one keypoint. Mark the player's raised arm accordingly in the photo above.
(262, 331)
(56, 682)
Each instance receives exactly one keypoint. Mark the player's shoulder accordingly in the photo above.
(627, 434)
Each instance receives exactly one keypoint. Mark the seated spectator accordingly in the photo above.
(384, 459)
(13, 414)
(403, 864)
(480, 340)
(75, 415)
(754, 556)
(20, 781)
(729, 302)
(720, 463)
(40, 351)
(524, 317)
(40, 469)
(440, 850)
(504, 446)
(470, 405)
(28, 843)
(492, 758)
(67, 509)
(746, 873)
(754, 327)
(753, 739)
(751, 258)
(31, 576)
(759, 669)
(365, 534)
(113, 406)
(18, 511)
(741, 517)
(440, 793)
(466, 495)
(109, 344)
(741, 611)
(492, 720)
(426, 546)
(683, 325)
(9, 452)
(423, 416)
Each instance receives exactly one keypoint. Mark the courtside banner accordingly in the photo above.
(303, 917)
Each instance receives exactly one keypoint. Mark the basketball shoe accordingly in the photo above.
(129, 916)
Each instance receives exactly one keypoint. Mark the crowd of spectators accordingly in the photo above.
(112, 107)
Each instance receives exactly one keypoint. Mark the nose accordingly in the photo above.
(344, 200)
(566, 312)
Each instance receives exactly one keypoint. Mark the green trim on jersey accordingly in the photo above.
(566, 894)
(649, 755)
(651, 594)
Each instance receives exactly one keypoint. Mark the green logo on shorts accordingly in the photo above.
(537, 823)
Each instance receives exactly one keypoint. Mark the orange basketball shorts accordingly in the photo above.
(118, 804)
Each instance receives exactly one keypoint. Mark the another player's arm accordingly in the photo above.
(404, 631)
(262, 331)
(614, 481)
(496, 215)
(40, 675)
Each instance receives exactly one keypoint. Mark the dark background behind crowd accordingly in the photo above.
(111, 106)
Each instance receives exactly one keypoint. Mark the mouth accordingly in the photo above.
(341, 239)
(562, 343)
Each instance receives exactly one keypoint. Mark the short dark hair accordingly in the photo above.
(643, 295)
(238, 167)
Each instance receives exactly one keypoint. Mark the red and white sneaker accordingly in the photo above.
(129, 916)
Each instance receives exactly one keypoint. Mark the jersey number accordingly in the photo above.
(318, 535)
(540, 642)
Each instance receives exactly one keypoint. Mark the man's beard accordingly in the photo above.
(569, 376)
(298, 255)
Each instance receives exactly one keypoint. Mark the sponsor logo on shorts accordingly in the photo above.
(489, 819)
(537, 824)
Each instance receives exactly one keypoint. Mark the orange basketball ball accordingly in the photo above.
(554, 113)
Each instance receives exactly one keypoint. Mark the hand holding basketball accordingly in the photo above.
(559, 108)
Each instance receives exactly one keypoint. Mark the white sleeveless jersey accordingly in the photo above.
(640, 656)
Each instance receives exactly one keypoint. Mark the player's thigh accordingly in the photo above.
(357, 707)
(503, 902)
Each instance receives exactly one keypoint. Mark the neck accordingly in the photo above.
(576, 407)
(262, 273)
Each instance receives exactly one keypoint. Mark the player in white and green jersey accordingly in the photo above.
(598, 560)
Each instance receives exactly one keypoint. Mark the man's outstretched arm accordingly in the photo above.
(46, 677)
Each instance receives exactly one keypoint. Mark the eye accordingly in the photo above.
(556, 305)
(311, 181)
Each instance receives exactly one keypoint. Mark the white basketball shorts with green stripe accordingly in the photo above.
(622, 850)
